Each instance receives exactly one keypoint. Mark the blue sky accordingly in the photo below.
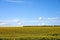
(30, 12)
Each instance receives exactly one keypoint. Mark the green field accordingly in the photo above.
(30, 33)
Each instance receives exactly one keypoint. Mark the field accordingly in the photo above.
(30, 33)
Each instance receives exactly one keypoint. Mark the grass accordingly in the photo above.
(30, 32)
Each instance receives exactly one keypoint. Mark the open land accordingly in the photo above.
(30, 33)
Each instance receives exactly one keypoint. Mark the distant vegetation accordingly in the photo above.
(44, 26)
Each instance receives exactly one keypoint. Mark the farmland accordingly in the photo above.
(30, 33)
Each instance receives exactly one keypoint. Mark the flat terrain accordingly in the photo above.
(32, 32)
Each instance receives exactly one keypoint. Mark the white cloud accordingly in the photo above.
(41, 21)
(16, 1)
(43, 24)
(9, 22)
(53, 18)
(2, 23)
(19, 1)
(40, 18)
(16, 20)
(48, 21)
(32, 21)
(19, 23)
(43, 18)
(12, 20)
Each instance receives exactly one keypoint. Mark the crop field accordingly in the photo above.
(30, 33)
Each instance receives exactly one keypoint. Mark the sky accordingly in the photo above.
(29, 12)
